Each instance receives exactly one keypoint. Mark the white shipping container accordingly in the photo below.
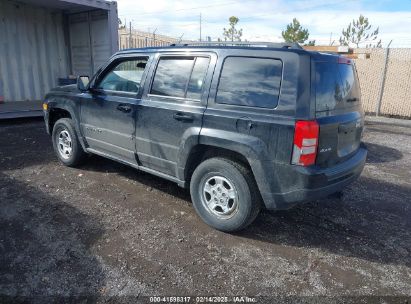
(44, 40)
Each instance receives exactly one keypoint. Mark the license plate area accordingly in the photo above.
(349, 136)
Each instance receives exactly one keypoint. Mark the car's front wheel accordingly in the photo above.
(224, 194)
(66, 143)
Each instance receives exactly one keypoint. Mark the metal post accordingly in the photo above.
(382, 84)
(129, 37)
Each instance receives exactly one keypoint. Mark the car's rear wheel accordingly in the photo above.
(66, 143)
(224, 194)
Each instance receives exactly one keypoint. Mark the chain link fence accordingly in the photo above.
(385, 80)
(139, 39)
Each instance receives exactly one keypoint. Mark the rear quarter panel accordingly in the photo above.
(264, 136)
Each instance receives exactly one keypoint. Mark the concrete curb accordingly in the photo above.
(387, 121)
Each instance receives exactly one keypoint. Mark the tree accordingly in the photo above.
(310, 42)
(232, 34)
(360, 31)
(295, 33)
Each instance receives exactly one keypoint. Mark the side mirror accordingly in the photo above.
(82, 83)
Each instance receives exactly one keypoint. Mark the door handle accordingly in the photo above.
(183, 117)
(124, 108)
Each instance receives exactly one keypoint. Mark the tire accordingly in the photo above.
(241, 203)
(68, 149)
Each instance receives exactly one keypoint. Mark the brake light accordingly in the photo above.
(305, 142)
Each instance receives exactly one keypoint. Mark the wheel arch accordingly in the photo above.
(55, 113)
(64, 108)
(201, 152)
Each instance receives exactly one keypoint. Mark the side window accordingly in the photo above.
(196, 83)
(247, 81)
(125, 76)
(171, 76)
(180, 77)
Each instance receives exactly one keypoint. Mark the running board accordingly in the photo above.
(142, 168)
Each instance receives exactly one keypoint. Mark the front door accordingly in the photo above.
(172, 108)
(108, 110)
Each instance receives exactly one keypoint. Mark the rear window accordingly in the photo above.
(247, 81)
(336, 86)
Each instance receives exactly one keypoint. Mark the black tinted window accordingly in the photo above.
(335, 84)
(125, 76)
(171, 76)
(195, 86)
(248, 81)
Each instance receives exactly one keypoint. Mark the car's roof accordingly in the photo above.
(198, 46)
(235, 48)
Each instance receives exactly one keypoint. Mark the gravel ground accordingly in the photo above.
(105, 230)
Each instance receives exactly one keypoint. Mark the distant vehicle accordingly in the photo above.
(244, 126)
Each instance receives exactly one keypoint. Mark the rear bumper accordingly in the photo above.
(306, 184)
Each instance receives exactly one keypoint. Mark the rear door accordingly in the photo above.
(338, 109)
(172, 108)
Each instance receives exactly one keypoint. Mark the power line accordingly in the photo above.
(189, 9)
(200, 26)
(304, 8)
(269, 13)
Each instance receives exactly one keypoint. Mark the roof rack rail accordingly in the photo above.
(282, 45)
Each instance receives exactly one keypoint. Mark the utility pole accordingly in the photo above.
(154, 37)
(200, 26)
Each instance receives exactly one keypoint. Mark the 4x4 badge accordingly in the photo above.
(325, 150)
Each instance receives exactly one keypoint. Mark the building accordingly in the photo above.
(47, 42)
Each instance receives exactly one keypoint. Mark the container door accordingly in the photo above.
(89, 41)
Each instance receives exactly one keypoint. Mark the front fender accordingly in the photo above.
(71, 106)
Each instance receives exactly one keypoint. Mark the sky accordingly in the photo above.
(263, 20)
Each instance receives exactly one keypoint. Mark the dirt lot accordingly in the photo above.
(108, 230)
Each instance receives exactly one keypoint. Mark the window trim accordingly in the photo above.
(109, 68)
(248, 106)
(177, 56)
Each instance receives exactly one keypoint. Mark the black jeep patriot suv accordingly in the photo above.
(242, 125)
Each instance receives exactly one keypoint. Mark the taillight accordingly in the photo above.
(305, 142)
